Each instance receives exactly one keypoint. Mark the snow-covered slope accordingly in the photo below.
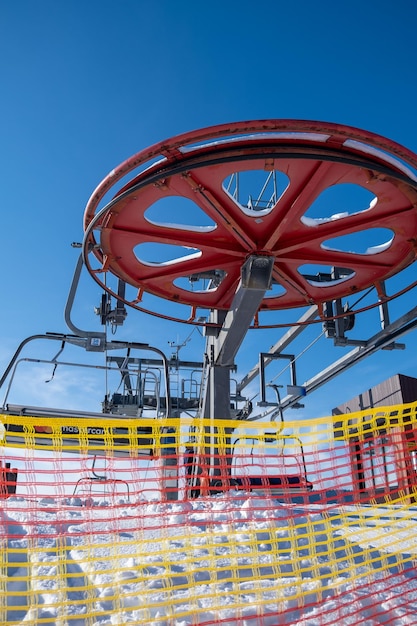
(228, 559)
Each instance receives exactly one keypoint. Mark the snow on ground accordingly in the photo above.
(229, 559)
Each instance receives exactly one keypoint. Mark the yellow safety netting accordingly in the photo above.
(180, 522)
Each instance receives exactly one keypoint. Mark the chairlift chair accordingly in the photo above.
(86, 484)
(276, 474)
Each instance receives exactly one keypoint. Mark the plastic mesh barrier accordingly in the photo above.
(185, 522)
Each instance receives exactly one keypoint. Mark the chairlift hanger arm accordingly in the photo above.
(285, 341)
(70, 301)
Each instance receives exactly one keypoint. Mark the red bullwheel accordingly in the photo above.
(194, 255)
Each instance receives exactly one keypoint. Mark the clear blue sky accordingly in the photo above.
(86, 84)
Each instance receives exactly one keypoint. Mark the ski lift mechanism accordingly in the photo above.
(258, 250)
(276, 473)
(106, 486)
